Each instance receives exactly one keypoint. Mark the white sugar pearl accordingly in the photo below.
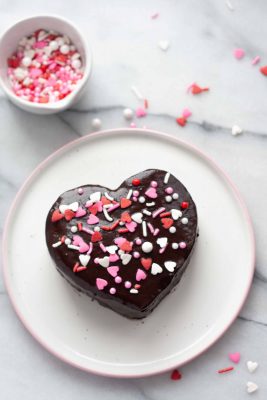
(54, 45)
(175, 246)
(96, 123)
(172, 229)
(67, 241)
(175, 196)
(121, 223)
(147, 247)
(97, 229)
(26, 61)
(20, 73)
(74, 229)
(168, 199)
(76, 64)
(64, 49)
(128, 113)
(184, 221)
(141, 199)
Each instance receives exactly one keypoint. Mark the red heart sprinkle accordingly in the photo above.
(146, 263)
(184, 205)
(263, 70)
(105, 201)
(136, 182)
(69, 214)
(93, 209)
(167, 222)
(195, 89)
(125, 202)
(96, 237)
(175, 376)
(126, 246)
(125, 217)
(181, 121)
(56, 216)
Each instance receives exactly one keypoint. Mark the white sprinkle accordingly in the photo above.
(26, 61)
(137, 93)
(236, 130)
(144, 228)
(76, 64)
(150, 204)
(184, 221)
(96, 123)
(108, 197)
(175, 246)
(67, 241)
(134, 291)
(128, 113)
(147, 247)
(168, 199)
(229, 5)
(141, 199)
(175, 196)
(252, 366)
(56, 244)
(129, 195)
(107, 216)
(172, 229)
(164, 45)
(74, 229)
(166, 178)
(252, 387)
(64, 49)
(71, 246)
(147, 212)
(97, 229)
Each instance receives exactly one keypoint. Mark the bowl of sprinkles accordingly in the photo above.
(45, 64)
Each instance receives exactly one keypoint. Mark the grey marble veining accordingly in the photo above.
(202, 35)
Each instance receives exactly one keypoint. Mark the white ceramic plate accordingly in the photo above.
(190, 319)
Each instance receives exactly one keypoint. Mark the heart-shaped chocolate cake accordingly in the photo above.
(126, 248)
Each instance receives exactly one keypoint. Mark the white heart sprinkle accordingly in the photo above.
(112, 249)
(137, 217)
(84, 259)
(104, 262)
(134, 291)
(170, 265)
(73, 207)
(121, 252)
(156, 269)
(236, 130)
(164, 45)
(251, 387)
(176, 214)
(162, 241)
(125, 258)
(95, 196)
(252, 366)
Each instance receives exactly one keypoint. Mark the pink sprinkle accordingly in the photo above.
(136, 254)
(239, 53)
(80, 191)
(186, 113)
(138, 242)
(134, 198)
(112, 290)
(118, 279)
(190, 87)
(113, 207)
(156, 232)
(136, 193)
(150, 226)
(96, 260)
(154, 16)
(154, 184)
(162, 250)
(87, 231)
(40, 45)
(169, 190)
(140, 112)
(182, 245)
(127, 284)
(255, 60)
(103, 247)
(90, 248)
(35, 72)
(132, 125)
(158, 211)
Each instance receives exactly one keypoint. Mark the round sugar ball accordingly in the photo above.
(64, 49)
(175, 246)
(175, 196)
(96, 123)
(76, 64)
(128, 113)
(172, 229)
(142, 199)
(53, 45)
(20, 73)
(26, 61)
(147, 247)
(168, 199)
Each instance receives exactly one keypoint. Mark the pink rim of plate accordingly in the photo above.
(120, 131)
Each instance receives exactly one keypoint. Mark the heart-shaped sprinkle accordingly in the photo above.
(125, 217)
(167, 222)
(252, 366)
(140, 275)
(181, 121)
(92, 220)
(69, 214)
(236, 130)
(164, 45)
(131, 226)
(84, 259)
(137, 217)
(252, 387)
(151, 192)
(56, 216)
(73, 207)
(176, 375)
(83, 247)
(119, 241)
(126, 246)
(235, 357)
(170, 265)
(94, 197)
(124, 203)
(113, 271)
(80, 212)
(176, 214)
(96, 237)
(104, 262)
(112, 249)
(263, 70)
(162, 242)
(125, 258)
(140, 112)
(146, 263)
(113, 257)
(93, 209)
(101, 283)
(156, 269)
(239, 53)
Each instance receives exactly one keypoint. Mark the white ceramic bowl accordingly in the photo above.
(9, 42)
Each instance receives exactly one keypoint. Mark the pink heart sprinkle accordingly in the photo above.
(99, 206)
(40, 45)
(239, 53)
(140, 275)
(140, 112)
(119, 241)
(83, 247)
(35, 73)
(151, 192)
(80, 212)
(235, 357)
(113, 271)
(92, 220)
(186, 113)
(113, 258)
(101, 283)
(131, 226)
(77, 240)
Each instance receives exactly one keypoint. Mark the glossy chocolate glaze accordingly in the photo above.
(154, 287)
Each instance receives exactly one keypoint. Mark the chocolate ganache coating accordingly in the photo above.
(126, 248)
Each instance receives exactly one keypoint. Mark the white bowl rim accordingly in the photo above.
(60, 104)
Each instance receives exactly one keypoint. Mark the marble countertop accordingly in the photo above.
(124, 40)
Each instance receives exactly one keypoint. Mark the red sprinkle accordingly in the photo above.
(81, 268)
(221, 371)
(76, 266)
(145, 103)
(184, 205)
(176, 375)
(123, 230)
(56, 216)
(63, 239)
(195, 89)
(136, 182)
(80, 226)
(263, 70)
(165, 214)
(181, 121)
(69, 214)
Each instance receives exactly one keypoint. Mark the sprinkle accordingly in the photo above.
(255, 60)
(112, 290)
(150, 204)
(175, 196)
(127, 284)
(71, 246)
(239, 53)
(74, 229)
(235, 357)
(145, 104)
(80, 269)
(172, 229)
(176, 375)
(164, 45)
(195, 89)
(156, 232)
(67, 241)
(132, 125)
(236, 130)
(75, 267)
(168, 199)
(140, 112)
(252, 387)
(162, 250)
(184, 220)
(175, 246)
(166, 178)
(56, 244)
(222, 371)
(129, 195)
(108, 196)
(165, 214)
(136, 182)
(158, 211)
(186, 113)
(80, 190)
(144, 228)
(103, 247)
(111, 227)
(181, 121)
(137, 93)
(252, 366)
(146, 212)
(150, 226)
(184, 205)
(123, 230)
(80, 226)
(128, 113)
(182, 245)
(169, 190)
(118, 279)
(96, 123)
(263, 70)
(141, 199)
(106, 214)
(229, 5)
(113, 207)
(154, 16)
(87, 231)
(90, 248)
